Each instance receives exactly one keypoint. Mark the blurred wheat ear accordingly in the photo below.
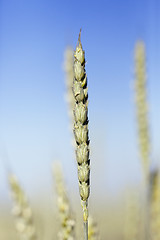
(142, 106)
(143, 127)
(69, 73)
(22, 211)
(67, 231)
(69, 76)
(80, 93)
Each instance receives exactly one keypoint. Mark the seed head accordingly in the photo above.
(80, 93)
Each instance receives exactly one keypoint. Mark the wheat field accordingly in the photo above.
(78, 140)
(136, 218)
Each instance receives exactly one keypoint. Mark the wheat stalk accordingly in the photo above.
(22, 211)
(80, 93)
(67, 222)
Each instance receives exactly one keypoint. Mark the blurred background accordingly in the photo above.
(34, 121)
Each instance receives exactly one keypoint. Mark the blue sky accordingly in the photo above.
(34, 125)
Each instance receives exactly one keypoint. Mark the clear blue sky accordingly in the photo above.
(34, 125)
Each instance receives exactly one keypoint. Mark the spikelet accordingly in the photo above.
(93, 233)
(22, 211)
(142, 107)
(132, 216)
(67, 222)
(155, 205)
(80, 93)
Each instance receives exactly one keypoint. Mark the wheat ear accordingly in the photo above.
(142, 106)
(143, 126)
(155, 205)
(67, 222)
(22, 211)
(68, 67)
(80, 92)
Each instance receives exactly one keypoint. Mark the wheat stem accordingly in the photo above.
(85, 230)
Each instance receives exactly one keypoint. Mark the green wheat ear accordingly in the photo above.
(80, 93)
(21, 211)
(67, 231)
